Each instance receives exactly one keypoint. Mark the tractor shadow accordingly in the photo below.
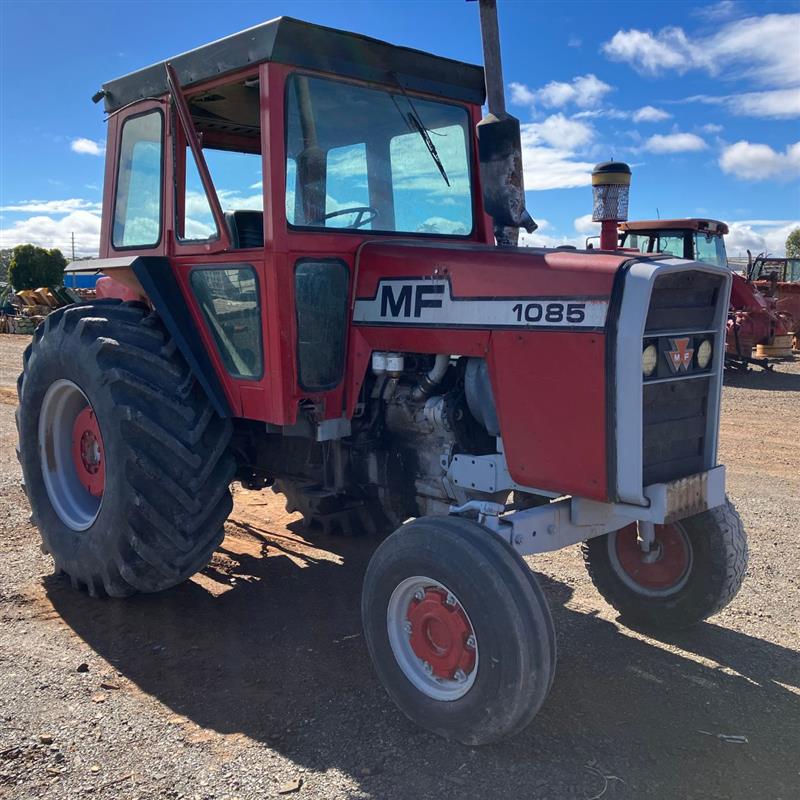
(266, 642)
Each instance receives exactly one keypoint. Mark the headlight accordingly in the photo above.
(704, 353)
(649, 360)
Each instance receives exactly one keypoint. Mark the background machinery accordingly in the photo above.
(350, 335)
(764, 311)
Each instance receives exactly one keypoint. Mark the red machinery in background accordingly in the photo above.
(779, 278)
(760, 318)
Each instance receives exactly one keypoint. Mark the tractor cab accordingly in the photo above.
(253, 169)
(693, 239)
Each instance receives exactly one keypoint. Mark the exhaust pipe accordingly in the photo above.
(499, 143)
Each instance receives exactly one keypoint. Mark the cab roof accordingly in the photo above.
(301, 44)
(694, 224)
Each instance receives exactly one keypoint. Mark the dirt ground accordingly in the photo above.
(253, 681)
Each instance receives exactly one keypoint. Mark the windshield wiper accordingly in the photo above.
(412, 119)
(416, 123)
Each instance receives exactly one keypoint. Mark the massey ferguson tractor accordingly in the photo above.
(303, 292)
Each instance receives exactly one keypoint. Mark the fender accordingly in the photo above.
(153, 278)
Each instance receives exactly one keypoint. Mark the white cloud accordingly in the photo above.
(759, 162)
(650, 114)
(539, 239)
(49, 232)
(549, 167)
(574, 41)
(88, 147)
(715, 12)
(584, 91)
(773, 103)
(585, 225)
(669, 49)
(443, 225)
(675, 143)
(711, 128)
(563, 133)
(763, 48)
(521, 95)
(52, 206)
(759, 236)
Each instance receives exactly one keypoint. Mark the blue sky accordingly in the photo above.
(703, 100)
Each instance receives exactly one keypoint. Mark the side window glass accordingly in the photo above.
(228, 299)
(320, 293)
(137, 205)
(197, 222)
(291, 184)
(671, 244)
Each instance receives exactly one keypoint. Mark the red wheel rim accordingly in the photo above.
(88, 452)
(441, 634)
(663, 568)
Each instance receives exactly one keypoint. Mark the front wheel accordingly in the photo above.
(458, 629)
(693, 570)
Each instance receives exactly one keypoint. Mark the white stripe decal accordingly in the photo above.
(429, 302)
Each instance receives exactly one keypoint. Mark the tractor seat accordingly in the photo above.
(246, 228)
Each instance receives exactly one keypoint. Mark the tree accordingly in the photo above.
(793, 244)
(5, 260)
(32, 267)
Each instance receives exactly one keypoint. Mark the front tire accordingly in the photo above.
(695, 570)
(458, 629)
(125, 463)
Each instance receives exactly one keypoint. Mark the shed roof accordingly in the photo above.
(302, 44)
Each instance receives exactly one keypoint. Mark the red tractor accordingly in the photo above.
(758, 319)
(779, 278)
(301, 215)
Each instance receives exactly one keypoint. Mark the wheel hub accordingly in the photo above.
(88, 452)
(441, 635)
(664, 566)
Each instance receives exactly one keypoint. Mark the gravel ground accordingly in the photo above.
(252, 680)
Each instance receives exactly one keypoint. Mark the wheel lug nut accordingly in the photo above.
(450, 600)
(460, 675)
(419, 595)
(471, 642)
(428, 668)
(407, 627)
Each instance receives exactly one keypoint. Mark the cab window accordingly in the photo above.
(137, 203)
(372, 159)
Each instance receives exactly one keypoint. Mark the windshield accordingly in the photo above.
(710, 248)
(375, 160)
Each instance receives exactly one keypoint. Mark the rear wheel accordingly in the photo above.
(693, 570)
(125, 463)
(458, 629)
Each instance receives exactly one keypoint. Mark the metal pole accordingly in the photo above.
(492, 61)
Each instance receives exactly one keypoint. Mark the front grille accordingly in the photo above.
(674, 429)
(676, 404)
(683, 301)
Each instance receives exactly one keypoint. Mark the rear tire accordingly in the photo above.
(698, 571)
(429, 587)
(157, 514)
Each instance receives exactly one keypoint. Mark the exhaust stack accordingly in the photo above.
(499, 143)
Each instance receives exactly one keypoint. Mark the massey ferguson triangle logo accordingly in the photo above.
(680, 357)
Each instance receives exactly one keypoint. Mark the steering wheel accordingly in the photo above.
(359, 211)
